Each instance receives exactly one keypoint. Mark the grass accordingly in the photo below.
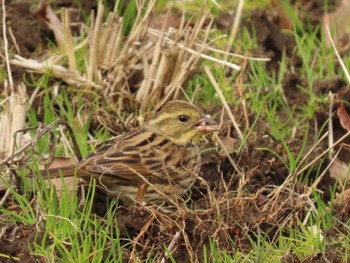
(68, 231)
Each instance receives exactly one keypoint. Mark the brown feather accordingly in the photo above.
(66, 171)
(161, 155)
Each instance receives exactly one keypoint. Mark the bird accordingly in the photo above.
(156, 163)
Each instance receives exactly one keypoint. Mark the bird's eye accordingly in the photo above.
(183, 118)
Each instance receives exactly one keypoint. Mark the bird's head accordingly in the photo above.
(181, 122)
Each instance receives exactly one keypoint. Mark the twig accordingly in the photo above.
(330, 123)
(190, 50)
(6, 46)
(43, 130)
(224, 102)
(235, 25)
(58, 71)
(338, 56)
(3, 199)
(172, 244)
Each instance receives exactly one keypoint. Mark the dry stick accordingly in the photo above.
(179, 36)
(198, 28)
(171, 246)
(14, 41)
(3, 230)
(57, 217)
(55, 25)
(92, 67)
(190, 50)
(4, 198)
(318, 180)
(117, 41)
(67, 147)
(156, 69)
(188, 243)
(43, 130)
(338, 56)
(102, 45)
(68, 40)
(215, 50)
(175, 83)
(162, 77)
(140, 24)
(295, 174)
(235, 25)
(186, 66)
(221, 96)
(226, 53)
(4, 126)
(330, 123)
(111, 34)
(142, 232)
(57, 71)
(192, 62)
(275, 193)
(36, 91)
(309, 153)
(7, 59)
(18, 115)
(167, 220)
(145, 90)
(239, 84)
(324, 153)
(292, 175)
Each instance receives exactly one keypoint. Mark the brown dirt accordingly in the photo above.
(271, 40)
(264, 171)
(16, 243)
(30, 34)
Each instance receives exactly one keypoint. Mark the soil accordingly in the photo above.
(263, 169)
(16, 243)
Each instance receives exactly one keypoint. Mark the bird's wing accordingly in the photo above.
(123, 164)
(124, 158)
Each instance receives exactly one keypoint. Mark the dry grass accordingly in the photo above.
(149, 66)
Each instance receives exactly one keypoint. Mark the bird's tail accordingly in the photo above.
(66, 171)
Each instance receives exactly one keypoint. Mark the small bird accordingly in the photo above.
(156, 163)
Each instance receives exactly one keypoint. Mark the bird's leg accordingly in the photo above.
(141, 192)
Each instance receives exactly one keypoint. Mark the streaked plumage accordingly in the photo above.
(153, 163)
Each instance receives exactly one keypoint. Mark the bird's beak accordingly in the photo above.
(206, 124)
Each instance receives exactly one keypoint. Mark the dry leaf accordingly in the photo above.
(62, 161)
(228, 142)
(343, 198)
(284, 20)
(340, 20)
(339, 170)
(46, 13)
(343, 117)
(70, 183)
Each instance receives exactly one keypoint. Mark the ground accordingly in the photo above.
(264, 206)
